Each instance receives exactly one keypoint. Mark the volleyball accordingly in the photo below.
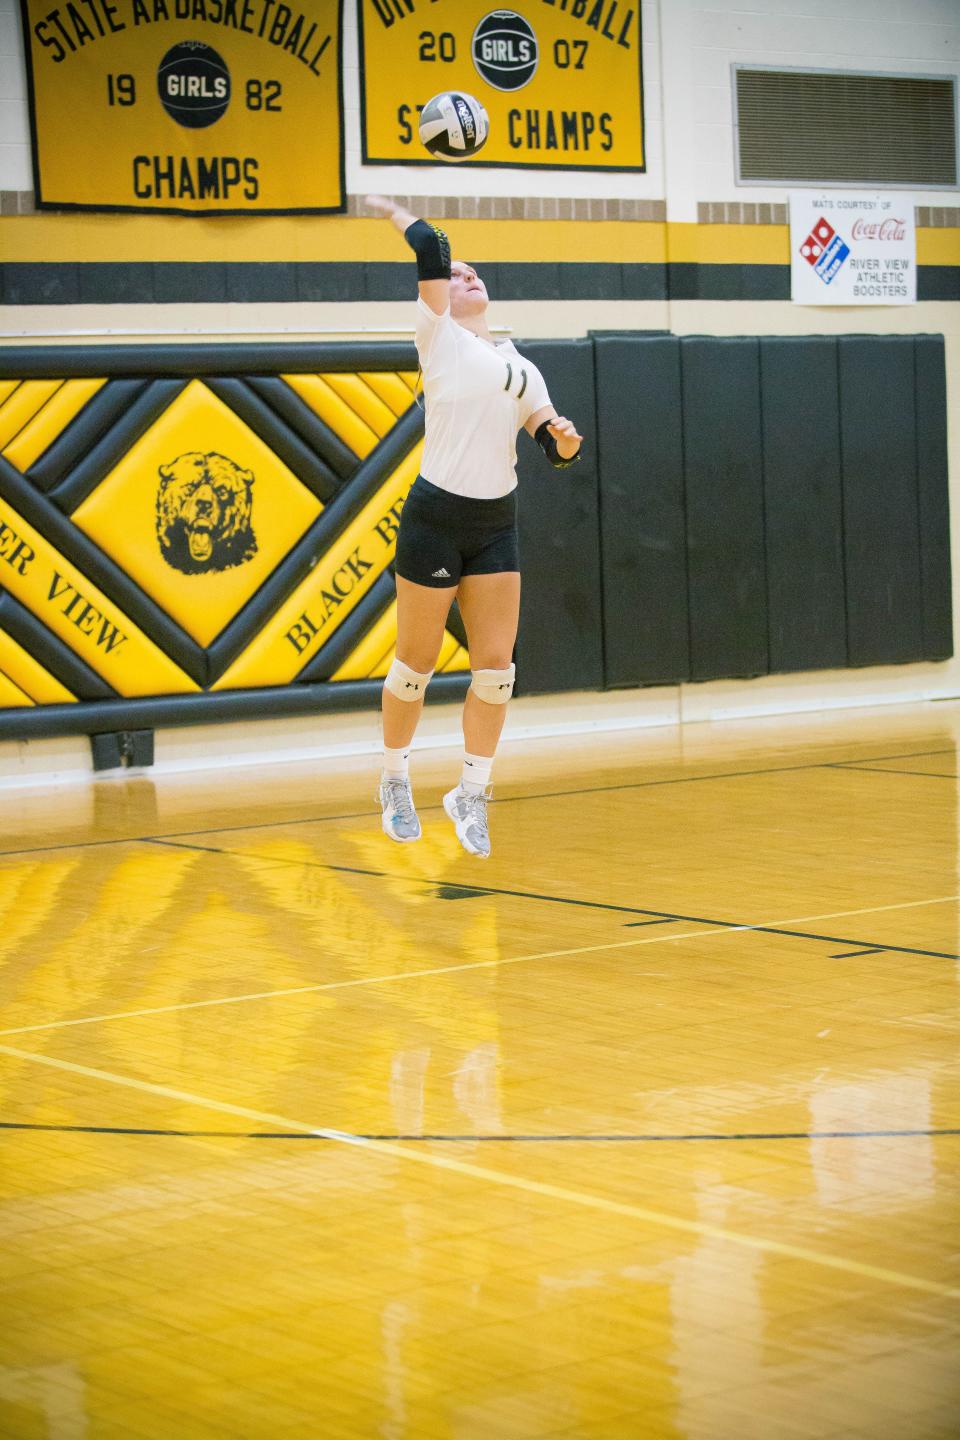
(453, 126)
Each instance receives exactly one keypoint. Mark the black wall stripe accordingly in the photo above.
(351, 631)
(337, 281)
(50, 651)
(286, 403)
(275, 432)
(109, 406)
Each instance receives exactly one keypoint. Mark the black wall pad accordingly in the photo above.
(24, 627)
(24, 362)
(933, 496)
(171, 710)
(642, 524)
(881, 521)
(724, 490)
(71, 543)
(284, 442)
(803, 503)
(351, 631)
(94, 421)
(349, 501)
(86, 475)
(311, 429)
(560, 645)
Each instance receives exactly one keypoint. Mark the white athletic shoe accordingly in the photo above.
(469, 814)
(399, 820)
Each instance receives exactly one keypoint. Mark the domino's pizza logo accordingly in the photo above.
(824, 250)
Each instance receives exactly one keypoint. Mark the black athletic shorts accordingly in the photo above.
(445, 536)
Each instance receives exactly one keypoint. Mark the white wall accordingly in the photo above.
(15, 168)
(702, 42)
(688, 49)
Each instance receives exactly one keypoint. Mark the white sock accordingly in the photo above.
(476, 772)
(396, 763)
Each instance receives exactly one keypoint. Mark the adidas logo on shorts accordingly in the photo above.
(442, 574)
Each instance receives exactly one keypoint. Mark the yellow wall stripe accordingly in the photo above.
(7, 388)
(354, 391)
(390, 388)
(128, 238)
(30, 675)
(21, 406)
(334, 411)
(50, 421)
(11, 696)
(379, 641)
(73, 608)
(459, 660)
(321, 601)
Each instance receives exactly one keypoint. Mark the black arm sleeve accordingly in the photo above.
(549, 447)
(432, 249)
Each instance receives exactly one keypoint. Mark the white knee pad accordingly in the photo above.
(494, 686)
(405, 683)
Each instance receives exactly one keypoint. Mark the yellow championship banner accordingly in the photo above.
(199, 107)
(561, 80)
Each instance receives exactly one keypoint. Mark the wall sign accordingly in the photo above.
(852, 249)
(560, 79)
(192, 106)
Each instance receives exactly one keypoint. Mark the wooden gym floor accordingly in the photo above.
(647, 1127)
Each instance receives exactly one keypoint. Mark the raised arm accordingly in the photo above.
(430, 245)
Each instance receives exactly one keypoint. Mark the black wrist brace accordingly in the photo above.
(432, 249)
(548, 445)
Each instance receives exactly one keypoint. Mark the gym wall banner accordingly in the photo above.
(561, 80)
(852, 249)
(199, 107)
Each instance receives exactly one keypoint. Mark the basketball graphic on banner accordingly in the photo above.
(194, 84)
(505, 50)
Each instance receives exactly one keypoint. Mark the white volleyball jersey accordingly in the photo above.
(477, 396)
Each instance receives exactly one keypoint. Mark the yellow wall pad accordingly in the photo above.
(341, 578)
(30, 675)
(119, 238)
(50, 421)
(11, 696)
(22, 404)
(227, 513)
(334, 411)
(410, 1154)
(73, 608)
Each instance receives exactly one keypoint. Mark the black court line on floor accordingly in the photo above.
(482, 890)
(332, 1134)
(504, 800)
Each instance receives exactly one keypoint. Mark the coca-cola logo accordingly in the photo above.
(879, 229)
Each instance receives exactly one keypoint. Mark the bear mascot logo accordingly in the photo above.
(204, 513)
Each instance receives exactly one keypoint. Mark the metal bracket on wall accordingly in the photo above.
(124, 747)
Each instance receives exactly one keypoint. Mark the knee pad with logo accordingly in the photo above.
(405, 683)
(494, 686)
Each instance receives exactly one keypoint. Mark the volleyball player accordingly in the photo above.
(458, 527)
